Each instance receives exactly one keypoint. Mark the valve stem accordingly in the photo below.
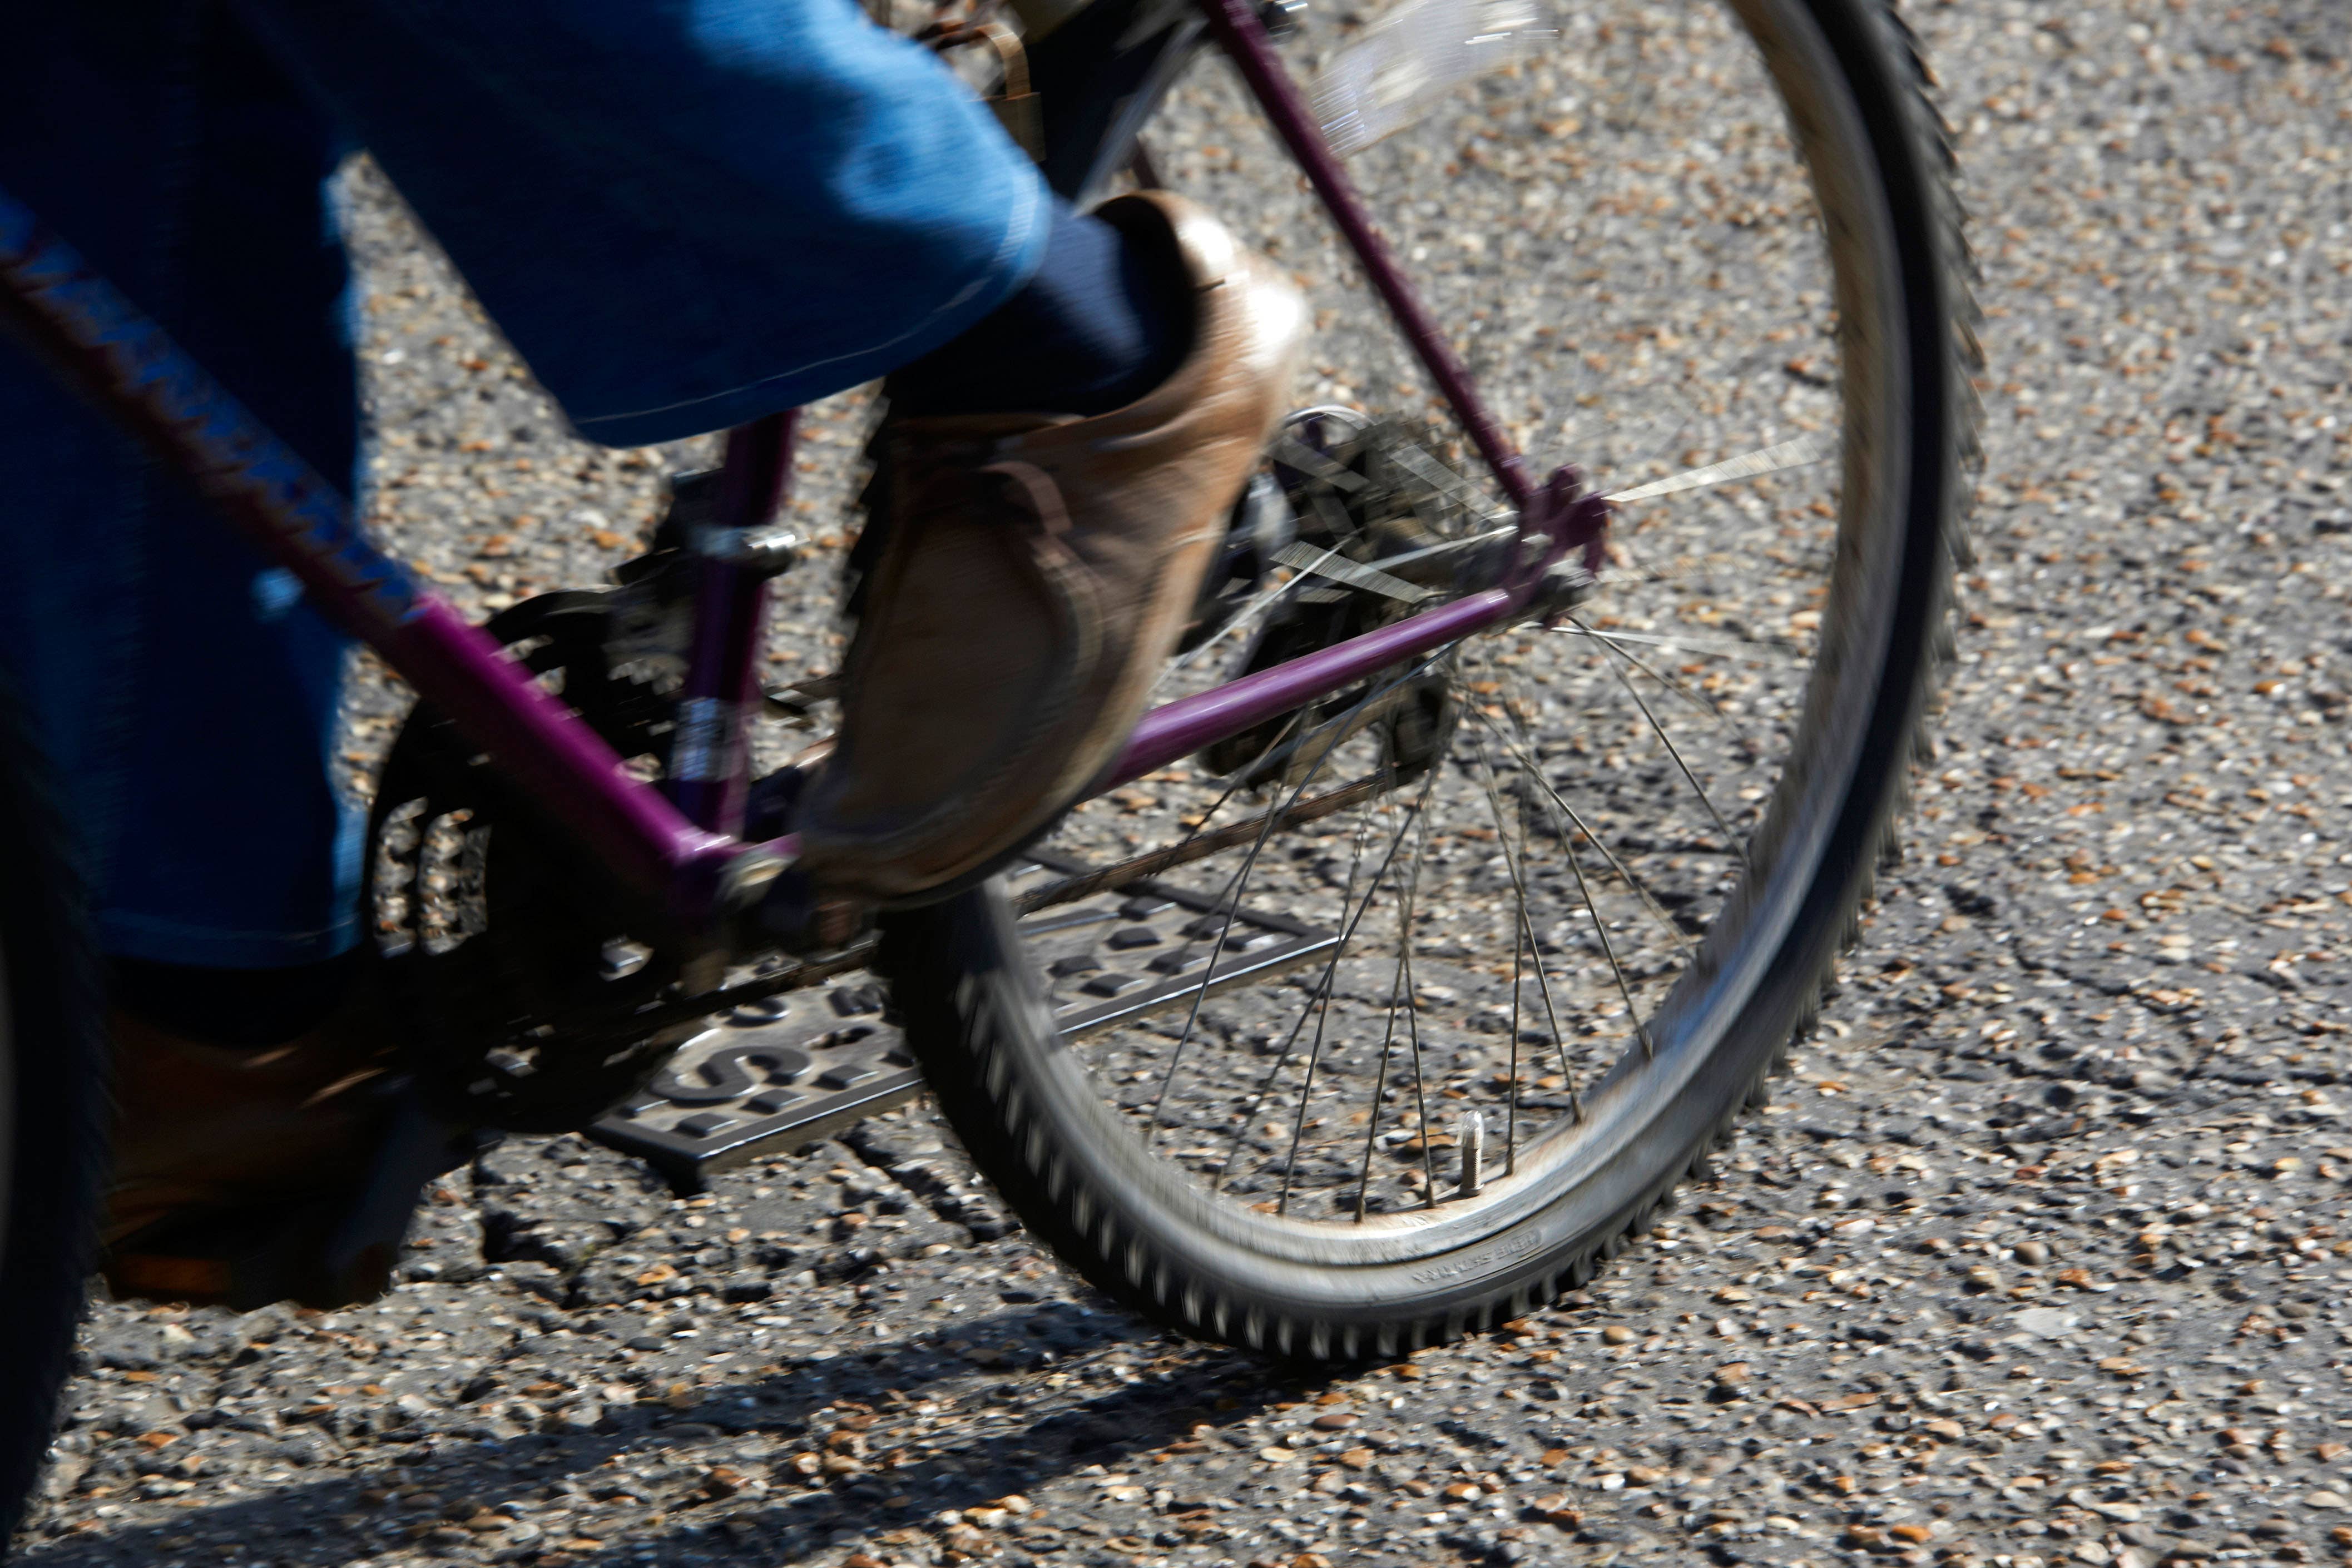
(1470, 1135)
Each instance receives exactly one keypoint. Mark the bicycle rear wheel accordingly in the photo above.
(1552, 903)
(53, 1110)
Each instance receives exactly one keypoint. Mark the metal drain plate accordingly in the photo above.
(776, 1076)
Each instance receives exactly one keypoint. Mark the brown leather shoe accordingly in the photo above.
(205, 1132)
(1035, 571)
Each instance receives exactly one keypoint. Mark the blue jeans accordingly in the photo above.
(682, 212)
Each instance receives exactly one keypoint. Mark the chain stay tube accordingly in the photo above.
(1561, 519)
(125, 361)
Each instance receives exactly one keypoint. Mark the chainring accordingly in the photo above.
(517, 968)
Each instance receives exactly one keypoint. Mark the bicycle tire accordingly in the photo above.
(54, 1111)
(1134, 1225)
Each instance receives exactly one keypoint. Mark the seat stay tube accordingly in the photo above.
(104, 345)
(1238, 32)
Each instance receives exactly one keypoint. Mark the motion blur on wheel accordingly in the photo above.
(1396, 1015)
(53, 1107)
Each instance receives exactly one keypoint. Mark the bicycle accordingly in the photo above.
(1445, 699)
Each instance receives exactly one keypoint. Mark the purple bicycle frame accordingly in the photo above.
(678, 848)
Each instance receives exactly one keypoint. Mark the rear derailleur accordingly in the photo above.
(1374, 525)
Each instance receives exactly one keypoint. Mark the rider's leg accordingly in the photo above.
(811, 202)
(1100, 323)
(186, 693)
(684, 216)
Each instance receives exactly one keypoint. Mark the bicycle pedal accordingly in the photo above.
(787, 1070)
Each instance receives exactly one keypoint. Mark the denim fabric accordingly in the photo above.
(684, 213)
(187, 700)
(1098, 325)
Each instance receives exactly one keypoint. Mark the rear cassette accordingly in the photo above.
(1377, 527)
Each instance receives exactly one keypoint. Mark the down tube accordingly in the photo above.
(100, 341)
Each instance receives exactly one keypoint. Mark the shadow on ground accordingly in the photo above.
(329, 1524)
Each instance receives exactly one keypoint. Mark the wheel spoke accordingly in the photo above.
(1729, 838)
(1523, 935)
(1196, 845)
(1322, 992)
(1321, 1008)
(1584, 888)
(1406, 913)
(1322, 1020)
(1397, 980)
(1232, 788)
(1526, 929)
(1380, 1093)
(1231, 899)
(1796, 453)
(1265, 599)
(1239, 884)
(1672, 685)
(1609, 951)
(1735, 648)
(1599, 926)
(1511, 1114)
(1332, 731)
(1527, 759)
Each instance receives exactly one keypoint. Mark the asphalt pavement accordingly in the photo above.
(2041, 1255)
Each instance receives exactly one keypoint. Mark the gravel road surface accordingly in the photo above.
(2041, 1258)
